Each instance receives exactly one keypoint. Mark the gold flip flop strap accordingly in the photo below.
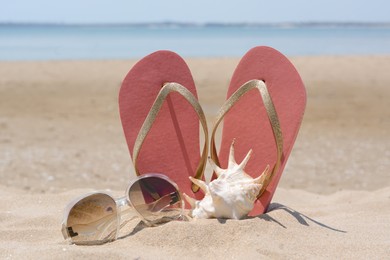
(272, 116)
(154, 110)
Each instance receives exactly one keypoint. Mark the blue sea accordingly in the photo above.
(68, 42)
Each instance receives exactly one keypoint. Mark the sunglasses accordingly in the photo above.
(96, 218)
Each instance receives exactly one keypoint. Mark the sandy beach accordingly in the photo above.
(61, 136)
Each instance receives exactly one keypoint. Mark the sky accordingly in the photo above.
(198, 11)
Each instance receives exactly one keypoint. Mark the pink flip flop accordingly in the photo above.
(160, 116)
(266, 120)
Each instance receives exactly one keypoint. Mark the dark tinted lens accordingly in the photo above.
(156, 199)
(93, 219)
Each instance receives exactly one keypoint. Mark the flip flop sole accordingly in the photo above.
(247, 121)
(172, 144)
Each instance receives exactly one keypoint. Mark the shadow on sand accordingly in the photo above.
(301, 218)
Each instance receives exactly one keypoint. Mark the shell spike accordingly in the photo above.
(190, 200)
(202, 185)
(232, 160)
(218, 171)
(246, 159)
(263, 177)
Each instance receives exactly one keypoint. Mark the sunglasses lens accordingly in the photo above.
(156, 199)
(93, 219)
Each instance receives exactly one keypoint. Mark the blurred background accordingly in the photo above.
(100, 29)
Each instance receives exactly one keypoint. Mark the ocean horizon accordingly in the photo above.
(123, 41)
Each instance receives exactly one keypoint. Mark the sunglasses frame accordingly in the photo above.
(121, 204)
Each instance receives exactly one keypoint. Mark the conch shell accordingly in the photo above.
(231, 195)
